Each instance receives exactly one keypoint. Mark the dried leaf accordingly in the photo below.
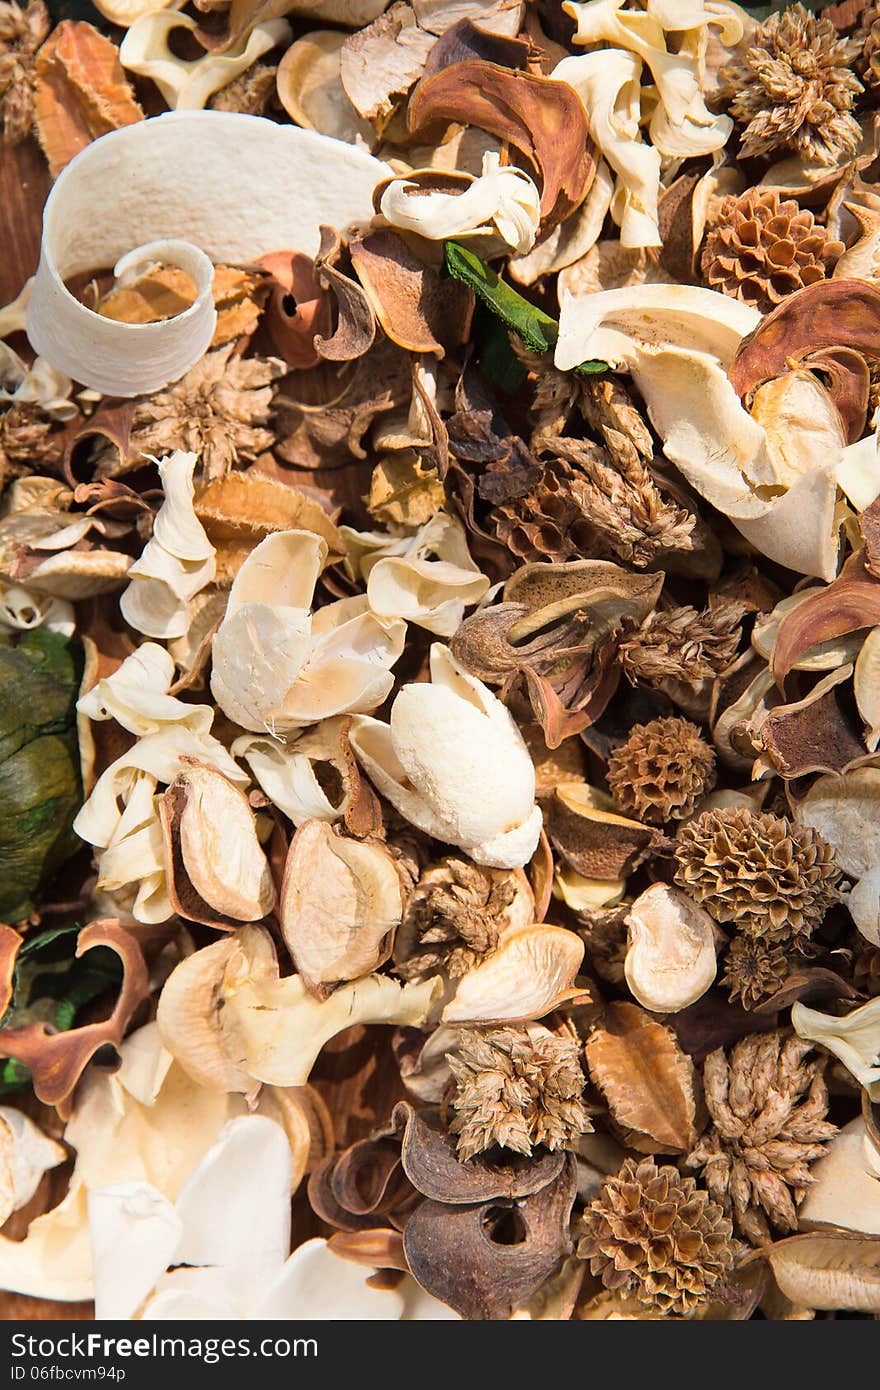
(646, 1079)
(356, 328)
(828, 1271)
(415, 308)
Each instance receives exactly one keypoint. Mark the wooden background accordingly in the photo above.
(356, 1074)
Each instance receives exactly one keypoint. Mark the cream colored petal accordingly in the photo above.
(529, 975)
(310, 89)
(845, 809)
(283, 1028)
(864, 905)
(374, 748)
(282, 570)
(135, 1233)
(177, 528)
(278, 173)
(136, 697)
(26, 1153)
(573, 238)
(186, 84)
(431, 593)
(800, 530)
(13, 315)
(670, 959)
(845, 1191)
(23, 609)
(188, 1016)
(858, 471)
(501, 199)
(257, 655)
(866, 685)
(286, 774)
(854, 1039)
(316, 1285)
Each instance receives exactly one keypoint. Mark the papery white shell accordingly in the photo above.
(670, 960)
(854, 1039)
(529, 974)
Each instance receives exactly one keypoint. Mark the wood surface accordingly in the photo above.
(356, 1074)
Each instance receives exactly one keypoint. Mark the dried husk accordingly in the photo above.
(593, 839)
(828, 1271)
(81, 92)
(530, 974)
(670, 958)
(341, 900)
(311, 92)
(647, 1081)
(216, 868)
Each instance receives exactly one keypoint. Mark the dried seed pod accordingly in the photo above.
(662, 770)
(217, 871)
(762, 248)
(341, 900)
(670, 962)
(646, 1079)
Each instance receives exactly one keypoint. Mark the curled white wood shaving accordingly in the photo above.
(503, 200)
(260, 186)
(176, 562)
(41, 384)
(186, 84)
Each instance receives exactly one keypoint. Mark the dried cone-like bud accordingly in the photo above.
(547, 524)
(517, 1088)
(753, 970)
(453, 918)
(658, 1237)
(768, 1107)
(865, 47)
(773, 879)
(662, 770)
(22, 30)
(763, 248)
(793, 89)
(682, 644)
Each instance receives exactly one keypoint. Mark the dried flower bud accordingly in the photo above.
(662, 770)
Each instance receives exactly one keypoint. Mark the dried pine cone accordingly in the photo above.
(773, 879)
(793, 89)
(658, 1237)
(865, 47)
(753, 970)
(453, 917)
(762, 249)
(768, 1107)
(517, 1088)
(662, 770)
(547, 524)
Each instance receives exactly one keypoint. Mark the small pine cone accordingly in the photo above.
(762, 249)
(753, 970)
(793, 90)
(658, 1237)
(547, 524)
(773, 879)
(768, 1106)
(865, 47)
(662, 770)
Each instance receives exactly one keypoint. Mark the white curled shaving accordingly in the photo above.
(260, 186)
(502, 200)
(186, 84)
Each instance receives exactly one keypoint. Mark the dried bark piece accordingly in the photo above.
(57, 1060)
(832, 313)
(485, 1261)
(828, 1271)
(432, 1166)
(417, 310)
(356, 327)
(297, 310)
(849, 602)
(81, 92)
(646, 1079)
(543, 119)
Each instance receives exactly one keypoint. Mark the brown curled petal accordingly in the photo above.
(848, 386)
(848, 603)
(813, 983)
(543, 119)
(110, 424)
(363, 812)
(466, 40)
(598, 844)
(368, 1176)
(814, 734)
(58, 1060)
(430, 1162)
(10, 945)
(829, 314)
(417, 310)
(356, 328)
(486, 1261)
(541, 876)
(561, 717)
(294, 326)
(376, 1248)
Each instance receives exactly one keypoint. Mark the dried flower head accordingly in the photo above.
(218, 411)
(662, 770)
(454, 916)
(768, 1106)
(865, 47)
(518, 1088)
(21, 33)
(763, 248)
(29, 441)
(658, 1237)
(252, 93)
(774, 879)
(753, 970)
(793, 89)
(682, 644)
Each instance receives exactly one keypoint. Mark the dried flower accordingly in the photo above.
(682, 644)
(774, 879)
(636, 522)
(864, 46)
(658, 1237)
(763, 248)
(753, 970)
(453, 917)
(218, 411)
(21, 33)
(793, 89)
(768, 1107)
(518, 1088)
(662, 770)
(253, 93)
(29, 441)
